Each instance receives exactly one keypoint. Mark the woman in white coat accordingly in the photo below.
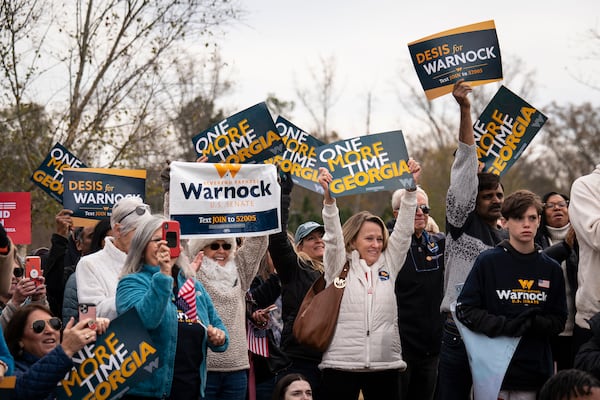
(365, 353)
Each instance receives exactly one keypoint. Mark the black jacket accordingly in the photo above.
(61, 262)
(419, 291)
(296, 278)
(588, 356)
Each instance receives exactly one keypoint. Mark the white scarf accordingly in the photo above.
(556, 235)
(220, 277)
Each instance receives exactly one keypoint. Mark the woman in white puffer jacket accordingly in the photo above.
(365, 353)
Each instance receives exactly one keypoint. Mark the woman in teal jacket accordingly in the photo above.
(178, 314)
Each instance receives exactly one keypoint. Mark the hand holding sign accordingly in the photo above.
(460, 92)
(325, 179)
(63, 222)
(415, 170)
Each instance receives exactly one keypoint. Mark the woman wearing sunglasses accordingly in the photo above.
(227, 273)
(41, 359)
(180, 324)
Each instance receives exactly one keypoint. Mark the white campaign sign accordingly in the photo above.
(224, 200)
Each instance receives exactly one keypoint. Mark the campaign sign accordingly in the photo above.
(224, 200)
(120, 358)
(247, 137)
(49, 175)
(300, 155)
(470, 52)
(504, 130)
(15, 216)
(370, 163)
(91, 192)
(7, 386)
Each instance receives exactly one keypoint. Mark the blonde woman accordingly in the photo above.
(365, 353)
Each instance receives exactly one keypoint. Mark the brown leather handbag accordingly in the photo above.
(317, 318)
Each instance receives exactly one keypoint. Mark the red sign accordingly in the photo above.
(15, 216)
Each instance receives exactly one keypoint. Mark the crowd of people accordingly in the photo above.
(518, 265)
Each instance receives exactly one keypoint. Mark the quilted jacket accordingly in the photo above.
(37, 377)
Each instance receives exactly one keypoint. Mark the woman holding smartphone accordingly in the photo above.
(182, 326)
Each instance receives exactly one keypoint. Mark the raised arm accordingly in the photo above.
(465, 132)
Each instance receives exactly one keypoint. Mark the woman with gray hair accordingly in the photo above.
(181, 326)
(97, 274)
(227, 273)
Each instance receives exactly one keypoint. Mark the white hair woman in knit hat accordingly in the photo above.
(226, 272)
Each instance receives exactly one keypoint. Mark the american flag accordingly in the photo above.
(544, 283)
(258, 343)
(188, 293)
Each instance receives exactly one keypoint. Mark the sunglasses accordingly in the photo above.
(39, 325)
(18, 272)
(424, 208)
(139, 210)
(215, 246)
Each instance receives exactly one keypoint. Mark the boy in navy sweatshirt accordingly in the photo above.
(516, 290)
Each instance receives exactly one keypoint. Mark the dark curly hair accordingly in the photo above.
(568, 384)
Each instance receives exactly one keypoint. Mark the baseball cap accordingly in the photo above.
(305, 229)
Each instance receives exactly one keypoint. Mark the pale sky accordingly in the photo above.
(279, 40)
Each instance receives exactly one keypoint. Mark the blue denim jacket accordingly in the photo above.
(150, 291)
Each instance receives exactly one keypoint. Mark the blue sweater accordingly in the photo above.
(150, 292)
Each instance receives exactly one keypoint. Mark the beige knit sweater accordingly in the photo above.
(231, 306)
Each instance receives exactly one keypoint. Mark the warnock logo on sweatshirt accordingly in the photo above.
(524, 292)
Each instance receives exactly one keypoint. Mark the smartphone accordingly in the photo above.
(272, 307)
(170, 233)
(87, 310)
(33, 268)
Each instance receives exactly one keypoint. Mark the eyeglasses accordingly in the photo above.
(39, 325)
(424, 208)
(139, 210)
(560, 204)
(18, 272)
(215, 246)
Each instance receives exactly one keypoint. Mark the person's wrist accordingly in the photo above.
(5, 366)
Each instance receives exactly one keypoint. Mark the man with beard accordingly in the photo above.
(473, 206)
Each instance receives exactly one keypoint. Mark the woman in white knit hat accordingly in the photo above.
(226, 272)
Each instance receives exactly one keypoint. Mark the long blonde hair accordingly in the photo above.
(305, 258)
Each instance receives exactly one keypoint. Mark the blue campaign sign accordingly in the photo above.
(504, 130)
(370, 163)
(91, 192)
(469, 52)
(49, 175)
(300, 155)
(107, 369)
(247, 137)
